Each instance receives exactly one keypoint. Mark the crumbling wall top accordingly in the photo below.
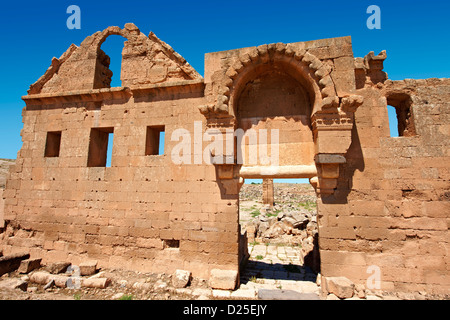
(145, 60)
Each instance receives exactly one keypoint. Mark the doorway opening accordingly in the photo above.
(282, 232)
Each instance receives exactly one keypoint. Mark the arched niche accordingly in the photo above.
(275, 96)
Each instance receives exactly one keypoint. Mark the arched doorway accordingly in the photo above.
(280, 88)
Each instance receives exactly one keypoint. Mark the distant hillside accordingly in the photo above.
(4, 167)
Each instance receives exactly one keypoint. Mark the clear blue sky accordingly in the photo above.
(416, 35)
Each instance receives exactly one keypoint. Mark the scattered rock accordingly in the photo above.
(223, 279)
(99, 283)
(47, 279)
(28, 265)
(360, 291)
(58, 267)
(122, 283)
(88, 268)
(332, 297)
(50, 284)
(11, 262)
(32, 289)
(117, 296)
(22, 285)
(401, 295)
(40, 277)
(251, 233)
(181, 278)
(201, 292)
(143, 286)
(160, 285)
(13, 284)
(60, 281)
(291, 220)
(342, 287)
(101, 274)
(186, 291)
(301, 224)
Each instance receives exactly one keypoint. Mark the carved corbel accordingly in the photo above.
(327, 173)
(228, 178)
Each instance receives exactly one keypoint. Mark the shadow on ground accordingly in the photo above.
(255, 270)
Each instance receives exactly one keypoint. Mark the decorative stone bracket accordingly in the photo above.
(328, 173)
(332, 129)
(228, 176)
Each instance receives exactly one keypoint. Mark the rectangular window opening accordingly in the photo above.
(154, 143)
(393, 122)
(401, 120)
(53, 144)
(171, 244)
(100, 147)
(109, 151)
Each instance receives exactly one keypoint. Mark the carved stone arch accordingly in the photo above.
(307, 68)
(130, 32)
(332, 116)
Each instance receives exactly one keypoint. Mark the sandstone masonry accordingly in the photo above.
(382, 201)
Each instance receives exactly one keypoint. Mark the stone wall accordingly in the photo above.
(383, 201)
(125, 215)
(394, 213)
(143, 212)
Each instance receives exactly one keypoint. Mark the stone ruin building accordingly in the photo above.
(382, 201)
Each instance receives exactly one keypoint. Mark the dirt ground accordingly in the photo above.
(125, 285)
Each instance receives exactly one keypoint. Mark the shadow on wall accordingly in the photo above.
(312, 259)
(255, 270)
(355, 161)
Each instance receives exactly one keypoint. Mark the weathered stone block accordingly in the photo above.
(11, 262)
(13, 284)
(88, 268)
(181, 278)
(58, 267)
(29, 265)
(340, 286)
(267, 294)
(40, 277)
(223, 279)
(96, 283)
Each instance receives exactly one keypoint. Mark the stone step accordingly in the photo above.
(267, 294)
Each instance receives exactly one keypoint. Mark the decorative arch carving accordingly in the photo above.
(315, 75)
(332, 116)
